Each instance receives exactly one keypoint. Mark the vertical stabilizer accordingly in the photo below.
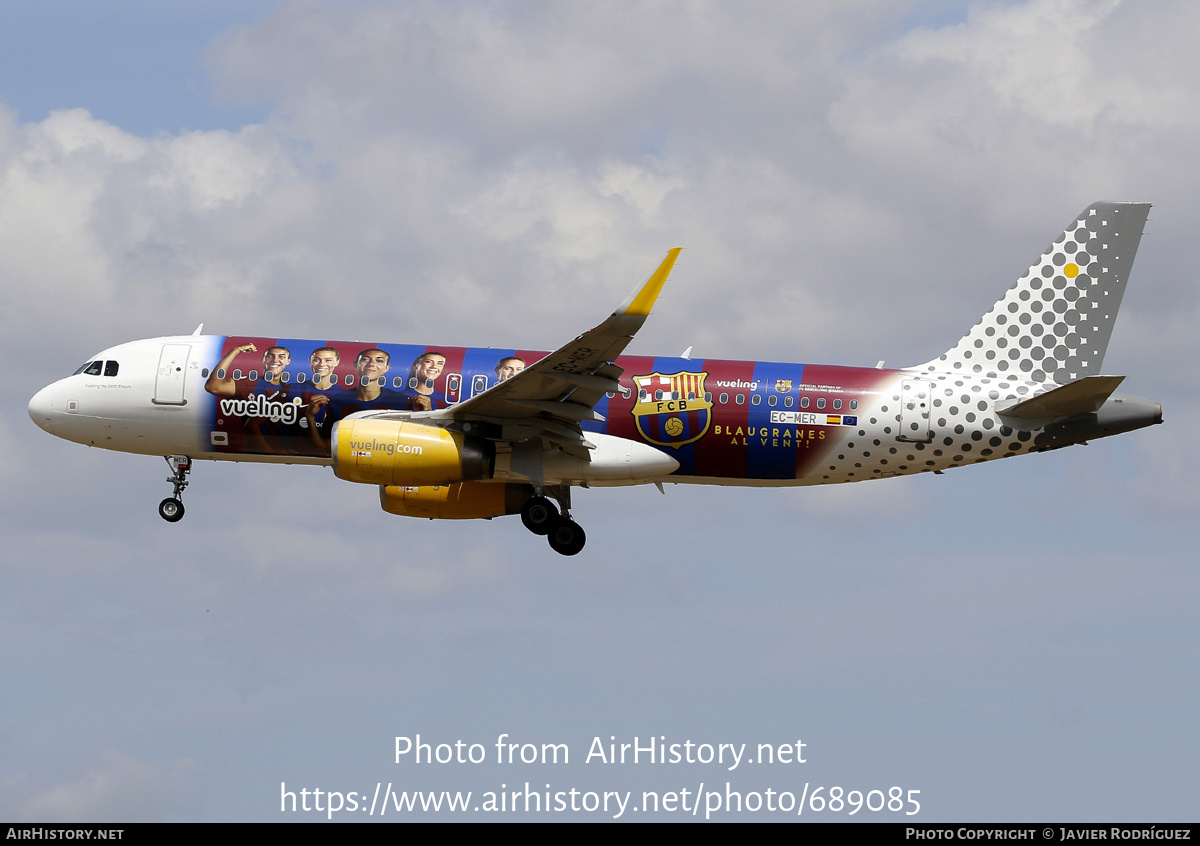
(1055, 321)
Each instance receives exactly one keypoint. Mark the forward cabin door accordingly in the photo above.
(916, 401)
(172, 371)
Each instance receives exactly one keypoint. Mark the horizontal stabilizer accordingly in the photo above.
(1082, 396)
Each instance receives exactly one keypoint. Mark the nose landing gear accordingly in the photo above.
(540, 516)
(171, 508)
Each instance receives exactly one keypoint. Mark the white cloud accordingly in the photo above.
(215, 169)
(114, 786)
(98, 223)
(525, 69)
(399, 186)
(1033, 57)
(1035, 100)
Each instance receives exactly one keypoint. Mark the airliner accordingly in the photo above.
(467, 432)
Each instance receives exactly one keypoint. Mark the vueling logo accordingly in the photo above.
(260, 406)
(671, 410)
(366, 448)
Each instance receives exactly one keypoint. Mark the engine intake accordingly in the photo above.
(390, 452)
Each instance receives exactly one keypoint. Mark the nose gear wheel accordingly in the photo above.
(171, 508)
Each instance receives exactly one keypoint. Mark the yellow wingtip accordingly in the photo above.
(644, 299)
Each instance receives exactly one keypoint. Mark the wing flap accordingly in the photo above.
(569, 410)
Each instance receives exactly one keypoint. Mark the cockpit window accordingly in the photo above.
(95, 368)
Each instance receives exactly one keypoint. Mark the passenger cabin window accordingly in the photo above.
(804, 402)
(820, 402)
(741, 399)
(854, 405)
(772, 400)
(788, 401)
(724, 398)
(397, 382)
(707, 396)
(253, 377)
(237, 374)
(349, 381)
(301, 377)
(755, 399)
(285, 377)
(837, 404)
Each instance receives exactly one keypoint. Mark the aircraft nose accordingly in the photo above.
(41, 408)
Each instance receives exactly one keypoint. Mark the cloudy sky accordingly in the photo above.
(851, 181)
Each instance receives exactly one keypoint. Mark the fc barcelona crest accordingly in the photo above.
(672, 410)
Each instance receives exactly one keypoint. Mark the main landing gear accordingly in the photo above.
(171, 508)
(542, 517)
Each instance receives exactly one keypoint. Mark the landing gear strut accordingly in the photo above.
(171, 508)
(541, 517)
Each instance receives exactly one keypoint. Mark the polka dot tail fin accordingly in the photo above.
(1054, 323)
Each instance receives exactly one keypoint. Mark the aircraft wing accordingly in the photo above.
(550, 398)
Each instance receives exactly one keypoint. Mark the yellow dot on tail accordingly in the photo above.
(1072, 270)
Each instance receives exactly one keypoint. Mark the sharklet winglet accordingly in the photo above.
(639, 303)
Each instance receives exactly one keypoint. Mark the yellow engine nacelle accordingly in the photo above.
(459, 501)
(391, 452)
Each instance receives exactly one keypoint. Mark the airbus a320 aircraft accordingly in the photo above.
(452, 432)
